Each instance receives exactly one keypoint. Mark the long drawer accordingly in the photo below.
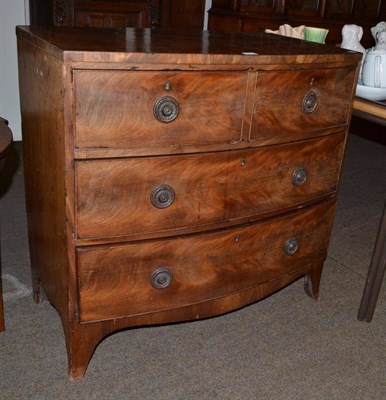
(154, 195)
(132, 109)
(143, 277)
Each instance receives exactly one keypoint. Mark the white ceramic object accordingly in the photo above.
(288, 30)
(381, 41)
(374, 69)
(351, 40)
(371, 93)
(379, 34)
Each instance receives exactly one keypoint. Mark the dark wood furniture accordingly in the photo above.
(252, 15)
(369, 120)
(167, 14)
(5, 141)
(375, 275)
(165, 178)
(375, 113)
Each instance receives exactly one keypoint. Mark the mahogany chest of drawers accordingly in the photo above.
(175, 177)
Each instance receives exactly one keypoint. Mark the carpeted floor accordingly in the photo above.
(284, 347)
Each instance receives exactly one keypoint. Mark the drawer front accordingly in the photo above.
(291, 105)
(138, 278)
(159, 195)
(131, 109)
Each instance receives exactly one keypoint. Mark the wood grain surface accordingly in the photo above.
(94, 153)
(278, 114)
(115, 108)
(115, 281)
(155, 46)
(210, 188)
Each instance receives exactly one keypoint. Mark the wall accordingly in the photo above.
(12, 13)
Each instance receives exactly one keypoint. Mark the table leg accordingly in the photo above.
(2, 324)
(375, 274)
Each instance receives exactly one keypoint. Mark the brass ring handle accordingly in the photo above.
(161, 278)
(162, 196)
(309, 103)
(166, 109)
(291, 246)
(299, 176)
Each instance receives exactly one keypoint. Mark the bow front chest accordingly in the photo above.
(173, 177)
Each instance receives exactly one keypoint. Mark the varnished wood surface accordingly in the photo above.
(87, 336)
(44, 175)
(371, 108)
(5, 141)
(168, 14)
(91, 163)
(210, 188)
(115, 282)
(131, 45)
(279, 97)
(211, 108)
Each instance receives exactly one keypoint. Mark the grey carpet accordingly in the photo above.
(283, 347)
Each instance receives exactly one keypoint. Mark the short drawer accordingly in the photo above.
(182, 193)
(132, 279)
(139, 109)
(291, 105)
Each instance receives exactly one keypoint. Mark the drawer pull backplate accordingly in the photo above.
(310, 101)
(166, 109)
(291, 246)
(162, 196)
(299, 176)
(161, 278)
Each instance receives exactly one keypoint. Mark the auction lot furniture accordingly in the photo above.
(174, 177)
(5, 141)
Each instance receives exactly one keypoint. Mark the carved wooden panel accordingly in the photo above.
(367, 9)
(304, 5)
(174, 14)
(254, 15)
(113, 17)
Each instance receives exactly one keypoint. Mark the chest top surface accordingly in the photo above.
(133, 45)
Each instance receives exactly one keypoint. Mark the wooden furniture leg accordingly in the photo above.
(375, 274)
(5, 141)
(2, 324)
(312, 280)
